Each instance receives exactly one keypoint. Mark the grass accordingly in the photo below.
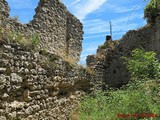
(68, 59)
(13, 36)
(138, 100)
(129, 100)
(109, 44)
(90, 71)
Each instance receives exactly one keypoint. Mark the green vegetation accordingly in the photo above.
(30, 40)
(143, 65)
(106, 106)
(109, 44)
(139, 97)
(35, 39)
(102, 46)
(152, 10)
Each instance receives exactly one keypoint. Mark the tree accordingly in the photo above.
(152, 10)
(143, 65)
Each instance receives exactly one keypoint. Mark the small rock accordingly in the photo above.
(5, 95)
(57, 78)
(29, 110)
(6, 56)
(3, 118)
(33, 71)
(26, 95)
(2, 70)
(15, 78)
(23, 58)
(12, 115)
(2, 81)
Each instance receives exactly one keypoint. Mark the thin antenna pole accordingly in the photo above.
(110, 24)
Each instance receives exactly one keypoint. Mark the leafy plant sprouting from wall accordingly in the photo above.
(143, 65)
(152, 10)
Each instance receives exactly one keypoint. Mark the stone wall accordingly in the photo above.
(98, 67)
(108, 58)
(60, 32)
(40, 84)
(36, 86)
(4, 9)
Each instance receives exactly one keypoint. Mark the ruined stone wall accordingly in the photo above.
(98, 67)
(36, 86)
(114, 71)
(74, 34)
(60, 32)
(39, 84)
(4, 9)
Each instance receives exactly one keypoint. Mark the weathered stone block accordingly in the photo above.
(15, 78)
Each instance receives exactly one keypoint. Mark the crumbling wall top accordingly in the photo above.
(60, 32)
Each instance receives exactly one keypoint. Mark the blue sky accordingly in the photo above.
(95, 15)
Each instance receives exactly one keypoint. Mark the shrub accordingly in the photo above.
(139, 97)
(107, 105)
(93, 107)
(143, 65)
(152, 10)
(19, 38)
(131, 102)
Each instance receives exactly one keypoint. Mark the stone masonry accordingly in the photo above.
(60, 32)
(107, 62)
(38, 86)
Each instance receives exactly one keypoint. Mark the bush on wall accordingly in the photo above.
(152, 10)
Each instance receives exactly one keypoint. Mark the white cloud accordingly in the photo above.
(82, 8)
(73, 3)
(123, 9)
(115, 8)
(99, 26)
(123, 14)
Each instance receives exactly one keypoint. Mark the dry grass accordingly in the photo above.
(24, 40)
(68, 59)
(112, 44)
(74, 115)
(100, 55)
(90, 71)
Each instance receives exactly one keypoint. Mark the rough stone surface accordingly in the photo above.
(36, 87)
(60, 32)
(107, 62)
(4, 11)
